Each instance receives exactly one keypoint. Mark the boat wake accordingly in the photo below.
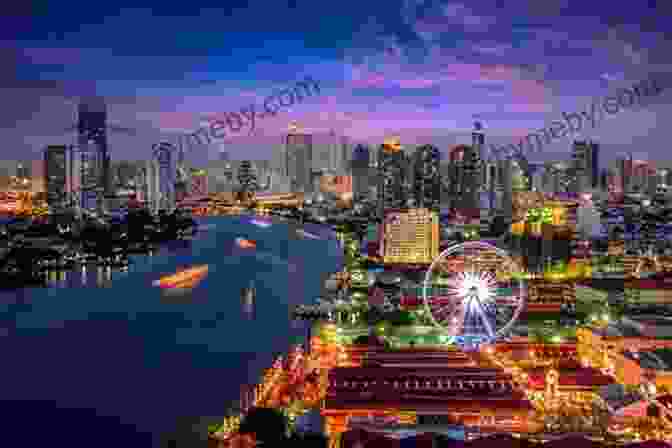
(305, 234)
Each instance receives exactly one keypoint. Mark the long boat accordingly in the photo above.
(183, 278)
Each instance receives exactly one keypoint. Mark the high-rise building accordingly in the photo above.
(198, 183)
(623, 174)
(22, 171)
(360, 173)
(471, 182)
(346, 154)
(299, 161)
(410, 236)
(585, 156)
(505, 185)
(92, 137)
(392, 180)
(427, 178)
(56, 162)
(164, 156)
(152, 185)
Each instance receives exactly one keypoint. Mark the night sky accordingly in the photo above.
(423, 70)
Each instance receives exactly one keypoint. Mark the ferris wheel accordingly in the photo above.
(471, 291)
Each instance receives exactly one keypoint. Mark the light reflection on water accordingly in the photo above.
(129, 330)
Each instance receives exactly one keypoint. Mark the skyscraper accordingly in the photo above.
(585, 155)
(198, 186)
(505, 185)
(360, 173)
(427, 178)
(471, 182)
(56, 174)
(392, 179)
(346, 153)
(92, 138)
(299, 161)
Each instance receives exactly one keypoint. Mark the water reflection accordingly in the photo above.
(248, 300)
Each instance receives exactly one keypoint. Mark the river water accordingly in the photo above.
(105, 358)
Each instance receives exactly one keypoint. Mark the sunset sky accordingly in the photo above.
(423, 70)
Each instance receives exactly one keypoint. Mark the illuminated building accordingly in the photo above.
(427, 178)
(567, 381)
(600, 349)
(550, 293)
(336, 184)
(298, 161)
(410, 236)
(92, 141)
(585, 155)
(198, 186)
(56, 160)
(392, 177)
(360, 173)
(437, 386)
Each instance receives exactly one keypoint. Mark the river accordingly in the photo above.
(105, 358)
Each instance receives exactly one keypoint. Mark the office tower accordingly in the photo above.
(152, 185)
(624, 173)
(332, 158)
(92, 138)
(392, 170)
(603, 184)
(585, 165)
(410, 236)
(346, 154)
(22, 171)
(537, 178)
(453, 175)
(652, 183)
(505, 168)
(298, 161)
(489, 181)
(427, 178)
(163, 154)
(198, 183)
(55, 171)
(471, 185)
(478, 140)
(360, 173)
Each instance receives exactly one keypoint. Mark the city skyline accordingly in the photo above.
(423, 70)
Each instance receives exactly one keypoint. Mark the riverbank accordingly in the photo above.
(156, 365)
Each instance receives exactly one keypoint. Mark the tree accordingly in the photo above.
(268, 425)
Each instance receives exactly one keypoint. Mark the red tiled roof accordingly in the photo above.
(582, 377)
(392, 372)
(465, 404)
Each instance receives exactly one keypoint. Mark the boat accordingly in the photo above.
(185, 278)
(248, 295)
(247, 300)
(245, 243)
(261, 223)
